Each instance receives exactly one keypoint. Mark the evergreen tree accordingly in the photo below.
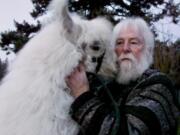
(19, 36)
(40, 7)
(124, 8)
(3, 68)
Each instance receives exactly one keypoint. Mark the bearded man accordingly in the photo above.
(139, 101)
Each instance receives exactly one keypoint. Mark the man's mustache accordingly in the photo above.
(129, 57)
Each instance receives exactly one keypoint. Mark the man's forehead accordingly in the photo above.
(130, 33)
(129, 37)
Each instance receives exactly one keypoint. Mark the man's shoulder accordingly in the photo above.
(149, 73)
(153, 76)
(154, 79)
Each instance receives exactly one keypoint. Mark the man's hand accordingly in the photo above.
(77, 81)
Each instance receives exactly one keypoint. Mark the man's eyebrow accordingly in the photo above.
(134, 38)
(119, 39)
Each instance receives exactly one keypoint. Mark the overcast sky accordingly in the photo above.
(14, 10)
(10, 10)
(19, 10)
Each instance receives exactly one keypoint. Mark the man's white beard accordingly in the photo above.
(130, 70)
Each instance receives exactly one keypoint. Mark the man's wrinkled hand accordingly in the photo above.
(77, 81)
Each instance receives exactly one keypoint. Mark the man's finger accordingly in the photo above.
(81, 67)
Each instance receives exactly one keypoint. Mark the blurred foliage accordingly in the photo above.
(40, 7)
(122, 8)
(167, 60)
(3, 68)
(19, 36)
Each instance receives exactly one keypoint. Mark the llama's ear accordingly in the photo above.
(72, 30)
(67, 21)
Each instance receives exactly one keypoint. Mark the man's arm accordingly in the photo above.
(91, 113)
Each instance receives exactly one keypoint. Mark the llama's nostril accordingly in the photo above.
(94, 59)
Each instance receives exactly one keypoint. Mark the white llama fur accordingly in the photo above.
(33, 100)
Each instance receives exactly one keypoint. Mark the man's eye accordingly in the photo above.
(119, 43)
(134, 43)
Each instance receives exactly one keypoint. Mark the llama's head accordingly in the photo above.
(92, 38)
(94, 42)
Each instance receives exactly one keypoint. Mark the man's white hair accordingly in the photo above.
(142, 27)
(131, 71)
(34, 98)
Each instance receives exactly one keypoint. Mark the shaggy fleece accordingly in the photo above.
(34, 98)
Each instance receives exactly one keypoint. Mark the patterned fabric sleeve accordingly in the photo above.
(151, 111)
(90, 112)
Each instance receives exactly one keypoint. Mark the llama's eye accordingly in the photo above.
(94, 59)
(95, 47)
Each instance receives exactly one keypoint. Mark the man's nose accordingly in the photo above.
(126, 47)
